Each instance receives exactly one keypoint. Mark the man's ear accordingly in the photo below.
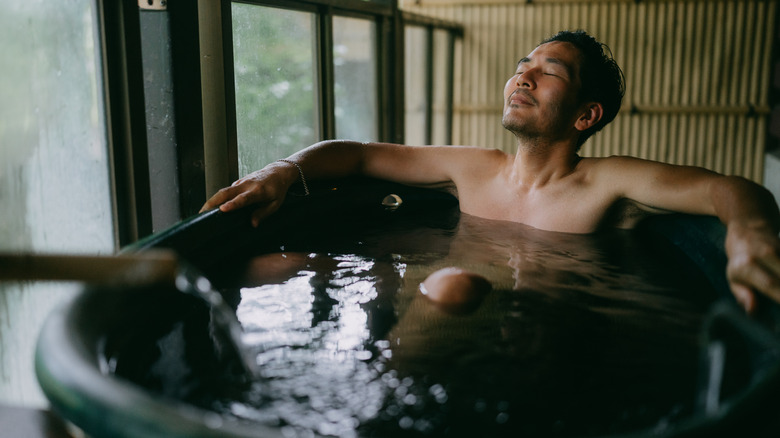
(591, 114)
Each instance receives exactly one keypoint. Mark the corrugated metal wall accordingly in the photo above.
(697, 73)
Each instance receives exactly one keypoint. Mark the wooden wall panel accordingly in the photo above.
(697, 73)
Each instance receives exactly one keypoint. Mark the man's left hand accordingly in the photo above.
(754, 263)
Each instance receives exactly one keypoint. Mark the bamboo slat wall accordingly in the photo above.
(697, 73)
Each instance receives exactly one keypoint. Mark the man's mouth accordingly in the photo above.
(521, 97)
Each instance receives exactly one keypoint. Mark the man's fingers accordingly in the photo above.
(263, 212)
(242, 199)
(761, 276)
(772, 263)
(264, 189)
(745, 297)
(234, 197)
(771, 281)
(218, 199)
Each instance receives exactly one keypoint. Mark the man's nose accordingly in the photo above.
(527, 79)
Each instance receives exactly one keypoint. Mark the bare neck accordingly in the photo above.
(537, 164)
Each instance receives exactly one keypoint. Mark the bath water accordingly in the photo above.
(581, 335)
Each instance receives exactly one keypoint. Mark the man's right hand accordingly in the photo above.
(267, 188)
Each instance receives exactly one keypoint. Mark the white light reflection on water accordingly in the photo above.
(315, 377)
(272, 314)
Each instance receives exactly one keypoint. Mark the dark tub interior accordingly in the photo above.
(149, 362)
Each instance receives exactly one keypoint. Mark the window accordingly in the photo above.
(416, 80)
(299, 72)
(355, 79)
(300, 75)
(274, 73)
(428, 58)
(441, 87)
(52, 135)
(54, 167)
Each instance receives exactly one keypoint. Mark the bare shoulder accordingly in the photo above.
(483, 163)
(470, 168)
(602, 174)
(617, 177)
(470, 158)
(615, 163)
(653, 185)
(617, 170)
(446, 152)
(484, 154)
(471, 151)
(635, 169)
(433, 166)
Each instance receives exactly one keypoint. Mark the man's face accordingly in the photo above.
(540, 99)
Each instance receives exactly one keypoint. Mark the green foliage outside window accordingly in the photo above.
(276, 96)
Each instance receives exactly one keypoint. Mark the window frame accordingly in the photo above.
(123, 94)
(454, 31)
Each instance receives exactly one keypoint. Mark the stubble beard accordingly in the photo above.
(528, 132)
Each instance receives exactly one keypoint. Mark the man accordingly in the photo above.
(561, 93)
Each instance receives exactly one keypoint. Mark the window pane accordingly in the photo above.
(273, 52)
(54, 174)
(415, 82)
(355, 85)
(442, 65)
(54, 177)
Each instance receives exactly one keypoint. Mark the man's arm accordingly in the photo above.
(415, 165)
(748, 210)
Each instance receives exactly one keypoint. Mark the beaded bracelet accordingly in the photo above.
(300, 172)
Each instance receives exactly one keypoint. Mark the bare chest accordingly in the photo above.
(571, 208)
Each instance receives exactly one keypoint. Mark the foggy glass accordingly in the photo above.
(54, 177)
(273, 62)
(54, 180)
(355, 79)
(415, 82)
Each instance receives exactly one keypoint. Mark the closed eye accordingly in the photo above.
(545, 73)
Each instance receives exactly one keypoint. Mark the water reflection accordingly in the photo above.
(581, 335)
(310, 332)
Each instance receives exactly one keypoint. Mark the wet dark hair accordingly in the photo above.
(601, 77)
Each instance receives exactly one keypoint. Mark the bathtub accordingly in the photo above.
(93, 354)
